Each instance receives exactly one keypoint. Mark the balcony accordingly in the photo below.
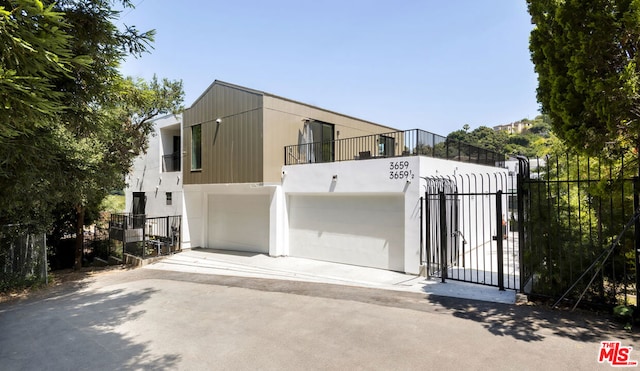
(171, 162)
(414, 142)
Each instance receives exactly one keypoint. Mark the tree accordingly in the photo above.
(104, 154)
(71, 142)
(538, 140)
(586, 56)
(107, 116)
(541, 126)
(483, 137)
(34, 49)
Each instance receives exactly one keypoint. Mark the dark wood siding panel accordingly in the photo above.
(231, 150)
(234, 150)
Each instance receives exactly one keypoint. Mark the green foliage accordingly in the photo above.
(624, 314)
(577, 206)
(537, 140)
(21, 258)
(113, 204)
(16, 281)
(73, 124)
(586, 56)
(34, 51)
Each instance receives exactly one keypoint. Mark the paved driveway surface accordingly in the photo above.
(151, 319)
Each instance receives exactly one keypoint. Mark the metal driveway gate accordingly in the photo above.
(470, 230)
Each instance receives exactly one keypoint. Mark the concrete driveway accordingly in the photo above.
(229, 263)
(160, 319)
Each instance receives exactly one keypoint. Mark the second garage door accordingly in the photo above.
(238, 222)
(360, 230)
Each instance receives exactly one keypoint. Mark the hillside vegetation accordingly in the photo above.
(534, 141)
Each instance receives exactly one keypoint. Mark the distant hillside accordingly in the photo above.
(526, 137)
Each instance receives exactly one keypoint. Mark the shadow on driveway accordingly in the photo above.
(522, 322)
(530, 323)
(73, 328)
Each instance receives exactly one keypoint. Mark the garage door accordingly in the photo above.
(238, 222)
(360, 230)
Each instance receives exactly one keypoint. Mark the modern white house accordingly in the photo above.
(154, 185)
(266, 174)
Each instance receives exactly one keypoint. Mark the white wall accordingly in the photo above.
(367, 212)
(147, 176)
(390, 177)
(192, 217)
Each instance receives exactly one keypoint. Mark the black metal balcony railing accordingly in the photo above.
(414, 142)
(171, 162)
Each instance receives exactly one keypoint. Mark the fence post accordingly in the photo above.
(521, 236)
(427, 232)
(636, 205)
(523, 173)
(443, 236)
(125, 227)
(421, 232)
(499, 239)
(46, 270)
(144, 235)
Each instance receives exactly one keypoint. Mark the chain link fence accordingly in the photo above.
(23, 257)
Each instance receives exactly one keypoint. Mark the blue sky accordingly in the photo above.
(433, 65)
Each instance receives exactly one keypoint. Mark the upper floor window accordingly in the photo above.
(323, 141)
(386, 146)
(196, 147)
(171, 160)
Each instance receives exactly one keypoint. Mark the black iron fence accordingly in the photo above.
(469, 229)
(414, 142)
(144, 236)
(96, 244)
(574, 235)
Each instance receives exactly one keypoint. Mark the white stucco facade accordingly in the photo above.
(157, 174)
(364, 212)
(392, 227)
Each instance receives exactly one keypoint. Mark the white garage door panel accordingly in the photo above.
(359, 230)
(238, 222)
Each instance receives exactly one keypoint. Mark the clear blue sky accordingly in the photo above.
(429, 64)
